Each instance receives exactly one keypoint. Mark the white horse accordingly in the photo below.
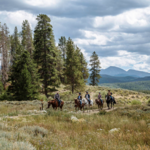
(87, 105)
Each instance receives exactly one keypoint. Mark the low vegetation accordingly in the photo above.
(23, 126)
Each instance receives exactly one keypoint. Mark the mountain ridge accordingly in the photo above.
(116, 71)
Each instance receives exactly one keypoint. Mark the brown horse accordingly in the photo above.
(99, 103)
(78, 105)
(54, 104)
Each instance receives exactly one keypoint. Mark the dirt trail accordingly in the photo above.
(97, 110)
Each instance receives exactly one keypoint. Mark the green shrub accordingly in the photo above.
(8, 145)
(136, 102)
(148, 102)
(35, 130)
(42, 96)
(102, 112)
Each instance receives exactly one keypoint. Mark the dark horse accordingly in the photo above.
(78, 105)
(54, 104)
(111, 101)
(99, 103)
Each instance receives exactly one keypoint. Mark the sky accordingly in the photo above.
(117, 30)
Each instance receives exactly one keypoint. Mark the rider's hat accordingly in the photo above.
(86, 91)
(79, 93)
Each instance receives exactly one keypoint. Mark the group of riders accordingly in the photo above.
(87, 96)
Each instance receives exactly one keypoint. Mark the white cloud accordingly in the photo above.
(92, 38)
(127, 59)
(135, 17)
(43, 3)
(16, 18)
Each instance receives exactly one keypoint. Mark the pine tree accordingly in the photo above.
(73, 67)
(26, 34)
(84, 69)
(15, 44)
(60, 64)
(62, 46)
(23, 78)
(95, 69)
(45, 52)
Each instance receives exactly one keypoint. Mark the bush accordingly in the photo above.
(136, 102)
(103, 112)
(148, 102)
(8, 145)
(35, 130)
(42, 96)
(14, 136)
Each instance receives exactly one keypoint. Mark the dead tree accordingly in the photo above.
(4, 40)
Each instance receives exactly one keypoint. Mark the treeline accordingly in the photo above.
(31, 62)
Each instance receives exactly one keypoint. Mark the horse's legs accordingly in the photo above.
(108, 105)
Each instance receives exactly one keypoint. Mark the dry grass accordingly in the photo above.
(55, 130)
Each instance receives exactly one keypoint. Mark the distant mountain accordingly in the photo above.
(138, 73)
(118, 72)
(112, 71)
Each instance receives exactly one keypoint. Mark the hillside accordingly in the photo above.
(113, 79)
(137, 86)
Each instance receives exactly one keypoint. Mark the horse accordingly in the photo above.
(78, 105)
(54, 104)
(99, 103)
(87, 104)
(109, 100)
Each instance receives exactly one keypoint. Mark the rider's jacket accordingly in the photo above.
(57, 96)
(99, 96)
(87, 96)
(79, 97)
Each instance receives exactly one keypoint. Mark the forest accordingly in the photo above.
(33, 63)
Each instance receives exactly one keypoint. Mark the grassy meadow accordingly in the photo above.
(24, 127)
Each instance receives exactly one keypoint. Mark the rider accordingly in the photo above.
(109, 93)
(57, 97)
(80, 98)
(112, 98)
(100, 97)
(87, 96)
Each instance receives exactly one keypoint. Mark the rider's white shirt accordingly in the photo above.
(86, 96)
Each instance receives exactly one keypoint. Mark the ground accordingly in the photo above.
(125, 127)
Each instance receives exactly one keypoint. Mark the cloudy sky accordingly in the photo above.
(118, 30)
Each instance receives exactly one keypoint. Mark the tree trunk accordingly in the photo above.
(72, 89)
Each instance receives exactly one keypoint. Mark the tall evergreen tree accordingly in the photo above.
(73, 67)
(26, 34)
(62, 46)
(60, 64)
(95, 69)
(84, 69)
(23, 78)
(15, 44)
(45, 52)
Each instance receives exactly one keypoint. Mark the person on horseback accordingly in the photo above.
(113, 99)
(80, 98)
(100, 97)
(87, 96)
(57, 97)
(109, 93)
